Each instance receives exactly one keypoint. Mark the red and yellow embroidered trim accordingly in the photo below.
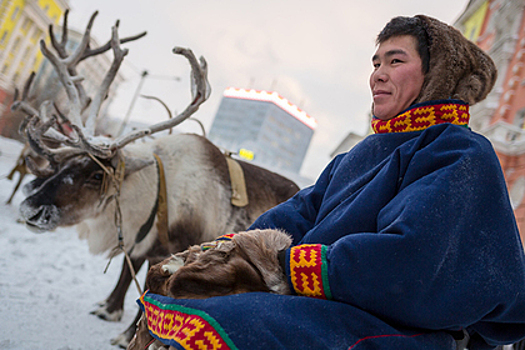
(308, 271)
(424, 116)
(192, 329)
(225, 237)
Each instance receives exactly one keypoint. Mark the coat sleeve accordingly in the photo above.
(446, 255)
(298, 215)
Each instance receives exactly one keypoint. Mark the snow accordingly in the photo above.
(49, 282)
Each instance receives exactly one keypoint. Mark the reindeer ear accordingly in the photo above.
(132, 163)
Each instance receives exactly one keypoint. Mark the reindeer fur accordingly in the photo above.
(247, 263)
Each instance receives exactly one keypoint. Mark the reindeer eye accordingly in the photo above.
(96, 177)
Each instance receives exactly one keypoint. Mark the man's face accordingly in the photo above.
(397, 77)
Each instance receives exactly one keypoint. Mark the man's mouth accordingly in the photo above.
(378, 93)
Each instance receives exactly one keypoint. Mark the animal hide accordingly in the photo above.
(246, 263)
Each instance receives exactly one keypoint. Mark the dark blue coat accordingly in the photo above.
(413, 236)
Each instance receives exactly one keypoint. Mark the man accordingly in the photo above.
(408, 241)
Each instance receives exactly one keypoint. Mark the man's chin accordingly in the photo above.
(383, 111)
(383, 116)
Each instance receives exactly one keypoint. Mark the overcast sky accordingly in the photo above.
(314, 53)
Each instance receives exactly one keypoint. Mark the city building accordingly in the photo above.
(23, 23)
(498, 27)
(263, 127)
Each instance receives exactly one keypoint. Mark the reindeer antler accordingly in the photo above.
(200, 92)
(23, 104)
(43, 124)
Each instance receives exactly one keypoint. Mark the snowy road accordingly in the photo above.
(49, 282)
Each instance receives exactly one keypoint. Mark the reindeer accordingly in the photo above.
(113, 189)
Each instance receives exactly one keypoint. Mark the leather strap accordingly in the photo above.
(162, 211)
(239, 196)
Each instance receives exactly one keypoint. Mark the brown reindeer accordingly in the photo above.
(112, 189)
(246, 263)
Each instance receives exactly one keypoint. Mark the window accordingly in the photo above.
(519, 119)
(27, 24)
(15, 78)
(26, 52)
(15, 45)
(15, 13)
(4, 36)
(36, 34)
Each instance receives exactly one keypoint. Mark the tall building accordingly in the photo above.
(263, 126)
(498, 27)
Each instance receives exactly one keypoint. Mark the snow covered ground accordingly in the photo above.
(49, 282)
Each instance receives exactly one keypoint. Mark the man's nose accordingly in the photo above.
(380, 75)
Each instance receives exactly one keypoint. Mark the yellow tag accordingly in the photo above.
(246, 154)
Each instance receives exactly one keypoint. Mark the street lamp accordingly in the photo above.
(143, 76)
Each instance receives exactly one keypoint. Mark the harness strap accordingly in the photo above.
(160, 209)
(146, 227)
(162, 212)
(116, 177)
(239, 196)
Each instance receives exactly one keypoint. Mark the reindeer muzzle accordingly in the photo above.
(43, 218)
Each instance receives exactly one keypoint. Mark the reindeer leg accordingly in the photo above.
(123, 339)
(20, 179)
(20, 167)
(113, 307)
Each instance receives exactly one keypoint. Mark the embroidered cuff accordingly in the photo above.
(309, 271)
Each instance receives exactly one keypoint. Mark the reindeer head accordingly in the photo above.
(66, 197)
(70, 188)
(78, 189)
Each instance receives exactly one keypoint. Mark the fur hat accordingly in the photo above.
(458, 68)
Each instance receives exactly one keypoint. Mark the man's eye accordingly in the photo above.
(395, 60)
(376, 65)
